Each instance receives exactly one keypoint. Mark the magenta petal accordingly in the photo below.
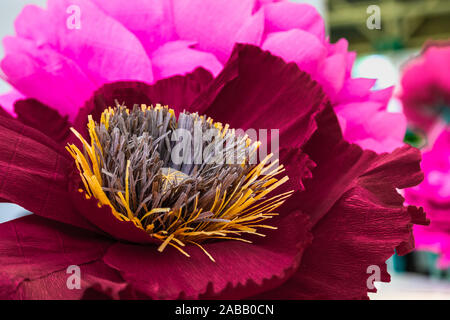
(297, 46)
(340, 47)
(432, 239)
(383, 96)
(34, 175)
(32, 247)
(213, 25)
(39, 73)
(282, 16)
(278, 96)
(240, 270)
(355, 89)
(388, 129)
(367, 123)
(28, 25)
(7, 100)
(332, 74)
(252, 30)
(103, 48)
(379, 146)
(48, 56)
(178, 58)
(425, 86)
(149, 20)
(434, 195)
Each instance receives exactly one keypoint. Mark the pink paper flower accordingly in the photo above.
(434, 195)
(150, 40)
(426, 100)
(426, 89)
(343, 215)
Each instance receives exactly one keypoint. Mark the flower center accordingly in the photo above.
(183, 181)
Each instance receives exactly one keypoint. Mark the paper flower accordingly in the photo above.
(434, 195)
(426, 89)
(61, 55)
(337, 216)
(425, 96)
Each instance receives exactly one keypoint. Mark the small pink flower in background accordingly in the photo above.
(426, 102)
(426, 89)
(434, 195)
(150, 40)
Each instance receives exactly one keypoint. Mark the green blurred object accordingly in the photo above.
(421, 262)
(402, 23)
(387, 44)
(415, 138)
(400, 263)
(432, 260)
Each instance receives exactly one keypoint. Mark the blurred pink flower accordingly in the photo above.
(426, 88)
(149, 40)
(425, 96)
(434, 195)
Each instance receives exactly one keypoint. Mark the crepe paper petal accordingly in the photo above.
(97, 281)
(425, 86)
(282, 16)
(47, 53)
(34, 175)
(332, 75)
(373, 123)
(213, 25)
(358, 216)
(32, 248)
(149, 20)
(299, 168)
(349, 164)
(383, 96)
(342, 260)
(278, 96)
(356, 89)
(40, 117)
(252, 30)
(7, 102)
(240, 270)
(40, 72)
(179, 58)
(308, 57)
(4, 113)
(102, 47)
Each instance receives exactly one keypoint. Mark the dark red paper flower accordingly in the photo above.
(344, 215)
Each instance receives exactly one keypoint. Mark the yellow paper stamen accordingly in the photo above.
(233, 213)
